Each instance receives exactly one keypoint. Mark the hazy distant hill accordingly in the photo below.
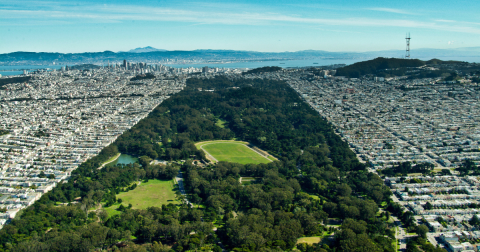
(146, 49)
(152, 54)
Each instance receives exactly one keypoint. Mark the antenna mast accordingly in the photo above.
(407, 38)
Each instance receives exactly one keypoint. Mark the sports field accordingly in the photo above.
(152, 193)
(232, 151)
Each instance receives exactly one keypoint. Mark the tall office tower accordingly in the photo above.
(205, 69)
(125, 64)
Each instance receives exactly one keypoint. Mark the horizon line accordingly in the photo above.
(180, 50)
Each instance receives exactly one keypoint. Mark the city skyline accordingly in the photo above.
(266, 26)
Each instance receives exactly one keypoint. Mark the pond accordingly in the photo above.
(124, 159)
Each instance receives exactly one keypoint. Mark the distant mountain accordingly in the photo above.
(146, 49)
(150, 54)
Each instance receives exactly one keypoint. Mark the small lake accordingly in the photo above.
(124, 159)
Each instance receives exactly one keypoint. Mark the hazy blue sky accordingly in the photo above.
(272, 25)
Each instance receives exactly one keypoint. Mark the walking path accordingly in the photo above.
(179, 179)
(116, 157)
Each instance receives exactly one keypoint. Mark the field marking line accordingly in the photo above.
(217, 141)
(209, 156)
(201, 144)
(258, 153)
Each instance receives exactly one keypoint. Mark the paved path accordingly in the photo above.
(179, 179)
(116, 157)
(401, 235)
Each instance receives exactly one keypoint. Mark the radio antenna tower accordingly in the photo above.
(407, 38)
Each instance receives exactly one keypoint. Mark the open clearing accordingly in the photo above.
(309, 240)
(152, 193)
(220, 123)
(232, 151)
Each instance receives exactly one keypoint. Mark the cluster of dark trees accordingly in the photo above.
(356, 235)
(74, 230)
(84, 67)
(468, 167)
(263, 70)
(419, 243)
(406, 167)
(378, 65)
(406, 217)
(143, 77)
(316, 177)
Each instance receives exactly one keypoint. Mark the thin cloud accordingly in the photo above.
(118, 13)
(390, 10)
(445, 21)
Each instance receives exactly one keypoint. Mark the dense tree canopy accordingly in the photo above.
(315, 178)
(379, 65)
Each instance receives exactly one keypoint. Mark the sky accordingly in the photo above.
(265, 26)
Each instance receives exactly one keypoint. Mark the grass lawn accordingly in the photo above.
(111, 210)
(152, 193)
(309, 240)
(249, 180)
(232, 151)
(220, 123)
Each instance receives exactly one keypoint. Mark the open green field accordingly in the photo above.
(309, 240)
(152, 193)
(232, 151)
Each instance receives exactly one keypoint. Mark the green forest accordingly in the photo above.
(391, 67)
(316, 178)
(379, 65)
(263, 70)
